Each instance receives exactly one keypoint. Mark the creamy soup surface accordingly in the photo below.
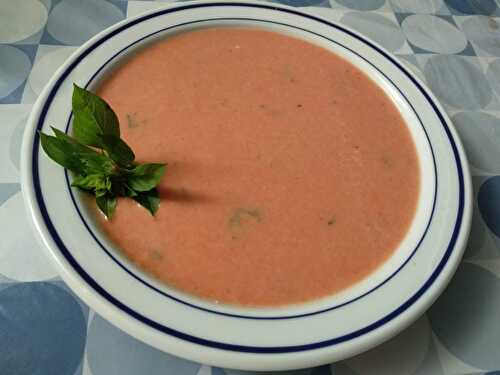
(291, 175)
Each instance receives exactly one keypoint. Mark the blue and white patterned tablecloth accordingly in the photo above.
(453, 45)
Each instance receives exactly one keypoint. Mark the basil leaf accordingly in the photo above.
(91, 161)
(77, 145)
(107, 204)
(103, 163)
(98, 163)
(62, 152)
(92, 182)
(150, 200)
(126, 190)
(129, 192)
(100, 193)
(93, 118)
(119, 186)
(145, 177)
(118, 150)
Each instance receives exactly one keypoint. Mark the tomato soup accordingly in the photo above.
(291, 175)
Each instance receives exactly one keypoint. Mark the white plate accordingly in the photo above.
(260, 339)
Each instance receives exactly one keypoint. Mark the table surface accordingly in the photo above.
(453, 45)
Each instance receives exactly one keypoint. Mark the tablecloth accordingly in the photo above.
(453, 45)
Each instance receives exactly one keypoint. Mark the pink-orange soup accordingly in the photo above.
(291, 175)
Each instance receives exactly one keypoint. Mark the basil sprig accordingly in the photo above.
(102, 163)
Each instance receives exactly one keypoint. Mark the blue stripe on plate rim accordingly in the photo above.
(138, 278)
(211, 343)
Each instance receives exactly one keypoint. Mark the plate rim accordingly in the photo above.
(87, 293)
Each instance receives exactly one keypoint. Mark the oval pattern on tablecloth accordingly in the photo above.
(433, 34)
(42, 329)
(493, 75)
(7, 190)
(417, 6)
(376, 27)
(73, 22)
(15, 66)
(482, 244)
(488, 196)
(477, 237)
(484, 32)
(465, 317)
(15, 142)
(364, 5)
(46, 66)
(21, 19)
(401, 355)
(457, 82)
(22, 257)
(480, 133)
(485, 7)
(106, 346)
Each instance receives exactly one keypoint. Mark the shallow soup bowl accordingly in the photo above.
(288, 337)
